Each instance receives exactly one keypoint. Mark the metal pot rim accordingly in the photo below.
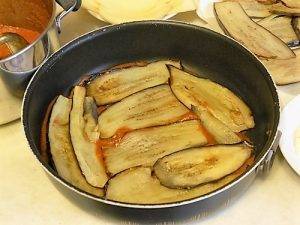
(108, 28)
(50, 23)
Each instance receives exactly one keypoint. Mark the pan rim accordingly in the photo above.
(85, 37)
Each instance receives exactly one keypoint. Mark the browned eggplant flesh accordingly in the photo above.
(150, 133)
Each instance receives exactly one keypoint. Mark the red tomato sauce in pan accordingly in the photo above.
(192, 116)
(209, 137)
(29, 35)
(102, 108)
(114, 140)
(188, 116)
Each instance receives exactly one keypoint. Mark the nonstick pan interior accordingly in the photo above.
(201, 51)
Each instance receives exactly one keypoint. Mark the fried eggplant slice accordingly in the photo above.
(137, 185)
(220, 132)
(292, 3)
(253, 8)
(116, 85)
(151, 107)
(284, 71)
(61, 147)
(90, 118)
(257, 39)
(191, 167)
(216, 99)
(280, 26)
(145, 146)
(281, 9)
(90, 162)
(267, 2)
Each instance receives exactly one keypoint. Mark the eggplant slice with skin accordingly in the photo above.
(281, 26)
(216, 99)
(90, 162)
(90, 117)
(115, 85)
(220, 132)
(137, 185)
(146, 146)
(292, 3)
(281, 9)
(284, 71)
(257, 39)
(296, 25)
(253, 8)
(267, 2)
(62, 150)
(151, 107)
(191, 167)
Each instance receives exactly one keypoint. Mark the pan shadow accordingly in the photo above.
(195, 212)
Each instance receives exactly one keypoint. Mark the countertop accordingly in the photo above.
(28, 196)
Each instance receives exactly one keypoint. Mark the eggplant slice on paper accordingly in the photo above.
(62, 150)
(257, 39)
(216, 99)
(253, 8)
(280, 26)
(89, 159)
(116, 85)
(220, 132)
(138, 185)
(151, 107)
(292, 3)
(146, 146)
(284, 71)
(195, 166)
(281, 9)
(267, 2)
(296, 25)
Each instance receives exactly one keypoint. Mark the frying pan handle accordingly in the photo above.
(267, 163)
(68, 6)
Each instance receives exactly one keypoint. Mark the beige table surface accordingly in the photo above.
(28, 196)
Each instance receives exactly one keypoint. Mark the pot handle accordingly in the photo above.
(266, 165)
(68, 6)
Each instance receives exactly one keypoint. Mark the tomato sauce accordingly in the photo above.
(113, 141)
(209, 137)
(192, 116)
(29, 35)
(188, 116)
(102, 108)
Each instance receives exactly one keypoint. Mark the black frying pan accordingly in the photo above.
(201, 51)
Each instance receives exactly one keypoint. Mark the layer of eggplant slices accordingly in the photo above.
(148, 133)
(268, 28)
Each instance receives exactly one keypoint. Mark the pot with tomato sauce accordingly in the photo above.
(28, 35)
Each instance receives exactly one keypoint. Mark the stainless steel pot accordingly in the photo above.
(38, 15)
